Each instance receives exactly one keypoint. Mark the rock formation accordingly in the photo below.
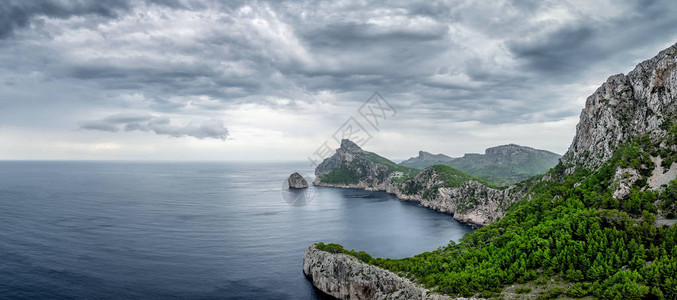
(345, 277)
(296, 181)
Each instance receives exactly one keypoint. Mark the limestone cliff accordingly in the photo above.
(626, 106)
(445, 189)
(345, 277)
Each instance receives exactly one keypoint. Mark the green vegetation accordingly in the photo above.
(341, 175)
(553, 293)
(570, 228)
(501, 169)
(336, 248)
(506, 170)
(455, 178)
(393, 167)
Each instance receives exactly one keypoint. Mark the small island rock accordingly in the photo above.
(296, 181)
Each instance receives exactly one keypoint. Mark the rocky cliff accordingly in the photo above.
(447, 190)
(345, 277)
(626, 106)
(440, 188)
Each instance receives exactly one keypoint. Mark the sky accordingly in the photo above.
(284, 80)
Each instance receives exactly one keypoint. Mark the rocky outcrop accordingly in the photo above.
(626, 106)
(296, 181)
(345, 277)
(661, 177)
(624, 179)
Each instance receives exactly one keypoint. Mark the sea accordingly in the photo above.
(188, 230)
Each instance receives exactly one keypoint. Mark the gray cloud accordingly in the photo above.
(563, 50)
(16, 14)
(100, 125)
(160, 125)
(495, 63)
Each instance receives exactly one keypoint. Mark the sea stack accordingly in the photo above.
(296, 181)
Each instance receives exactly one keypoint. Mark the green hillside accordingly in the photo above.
(501, 165)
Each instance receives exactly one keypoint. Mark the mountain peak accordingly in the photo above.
(347, 144)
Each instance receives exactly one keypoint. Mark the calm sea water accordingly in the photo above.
(113, 230)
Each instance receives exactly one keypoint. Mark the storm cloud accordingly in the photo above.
(299, 68)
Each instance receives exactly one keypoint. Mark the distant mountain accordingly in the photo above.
(501, 165)
(425, 159)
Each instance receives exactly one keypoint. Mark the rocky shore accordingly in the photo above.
(472, 203)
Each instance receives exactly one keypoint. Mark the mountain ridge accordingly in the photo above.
(501, 165)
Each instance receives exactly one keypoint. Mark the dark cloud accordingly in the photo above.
(160, 125)
(16, 14)
(565, 49)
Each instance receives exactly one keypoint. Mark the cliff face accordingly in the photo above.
(626, 106)
(466, 199)
(345, 277)
(470, 201)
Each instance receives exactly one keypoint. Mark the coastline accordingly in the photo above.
(450, 200)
